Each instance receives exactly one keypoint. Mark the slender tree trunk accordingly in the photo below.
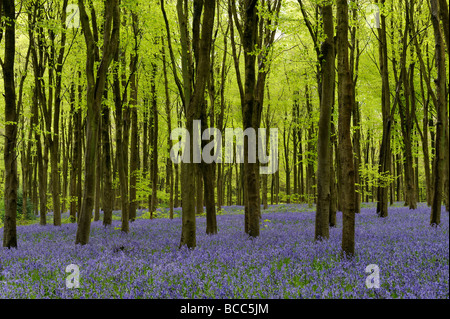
(251, 170)
(154, 142)
(107, 191)
(266, 141)
(175, 190)
(94, 98)
(322, 220)
(286, 159)
(199, 191)
(169, 128)
(202, 48)
(406, 111)
(79, 137)
(54, 144)
(120, 150)
(65, 145)
(310, 149)
(134, 152)
(98, 175)
(356, 114)
(301, 169)
(385, 149)
(441, 110)
(145, 144)
(11, 118)
(347, 173)
(74, 166)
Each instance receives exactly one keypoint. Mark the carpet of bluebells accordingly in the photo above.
(284, 262)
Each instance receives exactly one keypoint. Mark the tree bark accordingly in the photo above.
(134, 152)
(441, 110)
(347, 173)
(96, 85)
(11, 119)
(286, 158)
(202, 44)
(322, 220)
(170, 179)
(54, 140)
(356, 113)
(154, 142)
(385, 149)
(107, 191)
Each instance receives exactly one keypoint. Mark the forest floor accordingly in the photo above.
(283, 262)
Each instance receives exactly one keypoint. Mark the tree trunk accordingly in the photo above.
(134, 152)
(286, 159)
(249, 107)
(441, 110)
(169, 166)
(202, 47)
(54, 142)
(98, 175)
(80, 138)
(93, 100)
(406, 125)
(322, 220)
(154, 142)
(347, 173)
(310, 193)
(356, 114)
(11, 118)
(107, 191)
(385, 149)
(199, 191)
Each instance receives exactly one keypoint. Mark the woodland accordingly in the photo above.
(93, 89)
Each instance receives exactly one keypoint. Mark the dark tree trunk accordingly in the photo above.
(345, 91)
(322, 220)
(406, 111)
(286, 159)
(96, 85)
(385, 149)
(74, 166)
(354, 70)
(54, 141)
(98, 174)
(107, 191)
(175, 188)
(79, 141)
(441, 110)
(202, 41)
(310, 193)
(169, 166)
(154, 142)
(249, 38)
(134, 152)
(199, 191)
(11, 118)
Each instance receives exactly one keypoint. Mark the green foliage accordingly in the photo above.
(21, 218)
(371, 177)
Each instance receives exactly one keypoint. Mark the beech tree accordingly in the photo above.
(254, 32)
(345, 91)
(442, 117)
(324, 139)
(95, 87)
(11, 117)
